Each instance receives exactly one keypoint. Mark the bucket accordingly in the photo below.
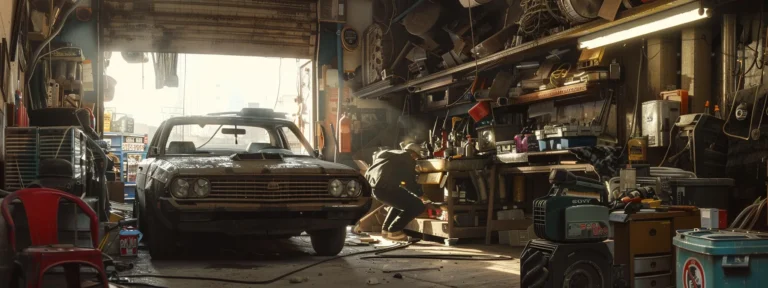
(129, 242)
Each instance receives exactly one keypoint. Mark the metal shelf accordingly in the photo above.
(526, 50)
(546, 169)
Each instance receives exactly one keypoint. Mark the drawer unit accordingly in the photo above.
(653, 264)
(643, 246)
(653, 281)
(651, 237)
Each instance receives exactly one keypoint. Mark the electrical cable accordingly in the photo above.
(472, 34)
(475, 257)
(209, 139)
(752, 118)
(273, 280)
(559, 73)
(36, 54)
(759, 33)
(279, 80)
(637, 99)
(136, 284)
(394, 9)
(668, 147)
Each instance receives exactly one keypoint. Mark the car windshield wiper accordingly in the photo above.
(214, 135)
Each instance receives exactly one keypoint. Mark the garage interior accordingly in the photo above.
(573, 143)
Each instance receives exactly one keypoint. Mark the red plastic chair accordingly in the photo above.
(41, 206)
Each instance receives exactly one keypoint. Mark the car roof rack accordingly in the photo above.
(253, 112)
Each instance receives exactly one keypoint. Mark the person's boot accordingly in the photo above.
(398, 236)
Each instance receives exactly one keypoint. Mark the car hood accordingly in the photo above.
(225, 165)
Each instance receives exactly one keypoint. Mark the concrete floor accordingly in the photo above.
(265, 259)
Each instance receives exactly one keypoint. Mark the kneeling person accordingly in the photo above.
(393, 179)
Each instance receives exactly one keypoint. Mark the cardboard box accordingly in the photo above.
(116, 191)
(519, 238)
(713, 218)
(512, 214)
(504, 237)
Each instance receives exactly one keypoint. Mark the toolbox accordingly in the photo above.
(721, 258)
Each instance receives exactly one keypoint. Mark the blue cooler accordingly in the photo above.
(721, 258)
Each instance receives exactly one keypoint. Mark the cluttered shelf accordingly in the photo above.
(520, 52)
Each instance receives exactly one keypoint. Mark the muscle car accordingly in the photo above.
(245, 173)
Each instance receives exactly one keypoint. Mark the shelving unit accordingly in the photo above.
(518, 53)
(131, 149)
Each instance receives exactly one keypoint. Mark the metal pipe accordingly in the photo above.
(97, 70)
(405, 13)
(728, 59)
(340, 64)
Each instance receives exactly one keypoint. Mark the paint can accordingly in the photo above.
(129, 242)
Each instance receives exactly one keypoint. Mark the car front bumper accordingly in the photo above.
(243, 218)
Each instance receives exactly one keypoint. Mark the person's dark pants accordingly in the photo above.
(405, 207)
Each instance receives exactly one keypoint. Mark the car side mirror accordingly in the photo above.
(316, 153)
(153, 150)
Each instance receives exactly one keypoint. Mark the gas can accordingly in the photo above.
(129, 242)
(721, 258)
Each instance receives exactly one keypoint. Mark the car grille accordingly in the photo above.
(270, 188)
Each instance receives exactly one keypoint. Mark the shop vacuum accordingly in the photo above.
(572, 226)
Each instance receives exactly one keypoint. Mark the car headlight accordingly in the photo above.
(180, 188)
(335, 188)
(353, 188)
(202, 188)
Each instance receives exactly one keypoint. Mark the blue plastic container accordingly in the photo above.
(721, 258)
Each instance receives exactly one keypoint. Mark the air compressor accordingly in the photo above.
(567, 214)
(573, 226)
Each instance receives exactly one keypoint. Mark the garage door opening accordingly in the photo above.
(209, 84)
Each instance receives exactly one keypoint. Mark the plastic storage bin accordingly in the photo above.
(721, 258)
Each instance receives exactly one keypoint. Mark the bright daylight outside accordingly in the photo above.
(210, 84)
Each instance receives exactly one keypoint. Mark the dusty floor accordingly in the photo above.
(265, 259)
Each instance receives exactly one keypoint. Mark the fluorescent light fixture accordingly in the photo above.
(646, 25)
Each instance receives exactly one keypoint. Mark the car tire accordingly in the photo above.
(141, 219)
(162, 241)
(328, 242)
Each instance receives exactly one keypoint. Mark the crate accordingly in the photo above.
(702, 192)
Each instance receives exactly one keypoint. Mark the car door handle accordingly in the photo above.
(141, 168)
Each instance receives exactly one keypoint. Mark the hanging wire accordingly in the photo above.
(279, 80)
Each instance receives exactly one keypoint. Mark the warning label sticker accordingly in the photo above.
(693, 274)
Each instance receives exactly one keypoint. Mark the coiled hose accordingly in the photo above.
(748, 217)
(537, 275)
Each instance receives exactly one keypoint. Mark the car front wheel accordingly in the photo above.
(328, 242)
(162, 241)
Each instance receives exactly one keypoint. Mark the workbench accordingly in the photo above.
(446, 173)
(522, 164)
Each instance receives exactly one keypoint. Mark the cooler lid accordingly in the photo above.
(722, 242)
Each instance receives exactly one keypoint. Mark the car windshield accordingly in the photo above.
(227, 139)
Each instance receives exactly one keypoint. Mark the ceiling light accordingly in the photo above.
(646, 25)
